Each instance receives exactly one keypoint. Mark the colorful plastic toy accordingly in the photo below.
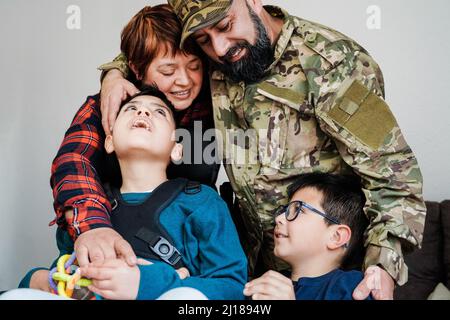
(66, 277)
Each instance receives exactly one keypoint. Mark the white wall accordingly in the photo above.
(47, 71)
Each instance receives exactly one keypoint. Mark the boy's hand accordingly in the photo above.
(376, 282)
(115, 89)
(114, 279)
(39, 281)
(183, 273)
(102, 244)
(270, 286)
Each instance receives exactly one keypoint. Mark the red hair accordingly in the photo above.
(153, 31)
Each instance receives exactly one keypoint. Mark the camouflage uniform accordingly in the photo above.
(320, 108)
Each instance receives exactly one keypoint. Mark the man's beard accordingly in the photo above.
(253, 66)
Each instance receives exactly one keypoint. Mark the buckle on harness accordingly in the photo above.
(166, 251)
(160, 246)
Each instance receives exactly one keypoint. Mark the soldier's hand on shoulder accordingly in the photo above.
(376, 282)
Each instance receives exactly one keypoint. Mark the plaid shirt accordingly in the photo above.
(74, 180)
(75, 175)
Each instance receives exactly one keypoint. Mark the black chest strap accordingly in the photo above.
(140, 224)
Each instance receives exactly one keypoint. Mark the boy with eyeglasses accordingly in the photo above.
(320, 235)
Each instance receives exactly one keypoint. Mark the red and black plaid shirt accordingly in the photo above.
(75, 178)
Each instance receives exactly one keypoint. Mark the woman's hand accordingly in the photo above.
(101, 244)
(115, 89)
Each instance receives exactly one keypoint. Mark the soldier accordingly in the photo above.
(306, 98)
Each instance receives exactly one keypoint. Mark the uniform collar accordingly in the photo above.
(285, 34)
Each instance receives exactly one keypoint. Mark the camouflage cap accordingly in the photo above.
(198, 14)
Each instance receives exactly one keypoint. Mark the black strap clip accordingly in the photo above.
(160, 246)
(166, 251)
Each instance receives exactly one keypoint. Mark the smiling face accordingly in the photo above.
(238, 44)
(145, 125)
(179, 77)
(151, 41)
(307, 235)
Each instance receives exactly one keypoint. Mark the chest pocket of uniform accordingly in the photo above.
(364, 115)
(272, 145)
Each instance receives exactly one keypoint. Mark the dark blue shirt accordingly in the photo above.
(335, 285)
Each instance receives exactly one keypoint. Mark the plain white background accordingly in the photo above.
(47, 71)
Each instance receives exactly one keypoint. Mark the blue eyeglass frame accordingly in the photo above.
(285, 210)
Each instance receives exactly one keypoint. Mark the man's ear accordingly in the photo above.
(109, 145)
(256, 6)
(340, 236)
(135, 71)
(177, 152)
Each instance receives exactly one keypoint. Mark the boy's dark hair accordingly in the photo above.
(111, 174)
(151, 90)
(343, 200)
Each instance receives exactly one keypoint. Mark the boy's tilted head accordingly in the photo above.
(145, 128)
(324, 221)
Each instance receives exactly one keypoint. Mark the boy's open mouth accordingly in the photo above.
(142, 123)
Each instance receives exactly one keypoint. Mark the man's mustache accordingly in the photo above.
(231, 52)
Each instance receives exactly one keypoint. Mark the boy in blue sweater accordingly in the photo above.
(197, 221)
(319, 234)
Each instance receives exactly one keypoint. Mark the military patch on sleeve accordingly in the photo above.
(364, 114)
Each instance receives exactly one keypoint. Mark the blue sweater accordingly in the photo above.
(335, 285)
(204, 233)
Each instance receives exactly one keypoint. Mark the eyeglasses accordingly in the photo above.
(293, 209)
